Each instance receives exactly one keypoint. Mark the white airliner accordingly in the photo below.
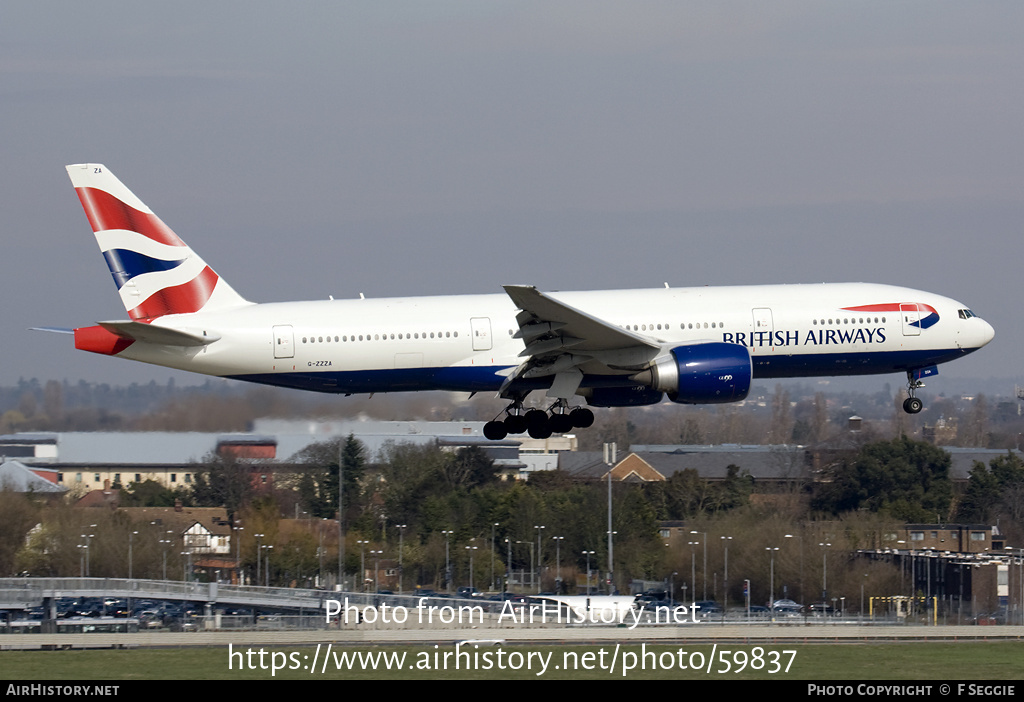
(611, 347)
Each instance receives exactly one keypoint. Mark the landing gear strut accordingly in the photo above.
(912, 405)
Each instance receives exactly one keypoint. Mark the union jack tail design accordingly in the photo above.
(156, 273)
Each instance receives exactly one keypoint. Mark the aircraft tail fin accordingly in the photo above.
(156, 273)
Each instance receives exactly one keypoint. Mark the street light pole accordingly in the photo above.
(266, 568)
(539, 555)
(588, 554)
(824, 575)
(771, 550)
(238, 552)
(803, 595)
(341, 516)
(693, 565)
(362, 563)
(447, 560)
(610, 458)
(376, 570)
(131, 537)
(725, 581)
(508, 566)
(705, 535)
(259, 555)
(558, 563)
(401, 542)
(470, 549)
(494, 525)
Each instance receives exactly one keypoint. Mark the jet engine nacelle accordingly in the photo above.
(698, 374)
(635, 396)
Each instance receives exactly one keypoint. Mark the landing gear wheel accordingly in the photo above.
(495, 431)
(537, 424)
(536, 418)
(540, 431)
(581, 417)
(560, 423)
(912, 405)
(515, 423)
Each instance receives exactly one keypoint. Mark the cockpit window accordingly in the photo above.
(966, 314)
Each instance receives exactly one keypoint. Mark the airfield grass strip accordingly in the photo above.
(862, 661)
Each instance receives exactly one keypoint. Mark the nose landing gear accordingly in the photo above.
(912, 405)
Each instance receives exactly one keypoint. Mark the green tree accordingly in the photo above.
(469, 467)
(994, 491)
(906, 479)
(224, 481)
(150, 493)
(18, 515)
(980, 496)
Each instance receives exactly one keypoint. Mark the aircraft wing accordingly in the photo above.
(560, 338)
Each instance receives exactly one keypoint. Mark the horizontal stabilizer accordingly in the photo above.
(153, 334)
(55, 330)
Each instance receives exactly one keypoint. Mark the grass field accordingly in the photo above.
(908, 661)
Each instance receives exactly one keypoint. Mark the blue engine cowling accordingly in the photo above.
(708, 373)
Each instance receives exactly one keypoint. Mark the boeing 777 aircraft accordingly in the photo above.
(611, 347)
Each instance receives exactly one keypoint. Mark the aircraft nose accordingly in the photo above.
(985, 333)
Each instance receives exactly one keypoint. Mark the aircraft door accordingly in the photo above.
(911, 316)
(481, 330)
(763, 322)
(284, 341)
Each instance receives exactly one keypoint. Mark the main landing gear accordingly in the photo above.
(912, 405)
(539, 424)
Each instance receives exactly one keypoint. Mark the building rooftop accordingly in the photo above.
(18, 477)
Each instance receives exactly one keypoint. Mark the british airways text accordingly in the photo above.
(814, 337)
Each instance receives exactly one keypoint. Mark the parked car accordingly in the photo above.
(786, 607)
(991, 618)
(820, 608)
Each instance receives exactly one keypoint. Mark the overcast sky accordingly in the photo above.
(415, 148)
